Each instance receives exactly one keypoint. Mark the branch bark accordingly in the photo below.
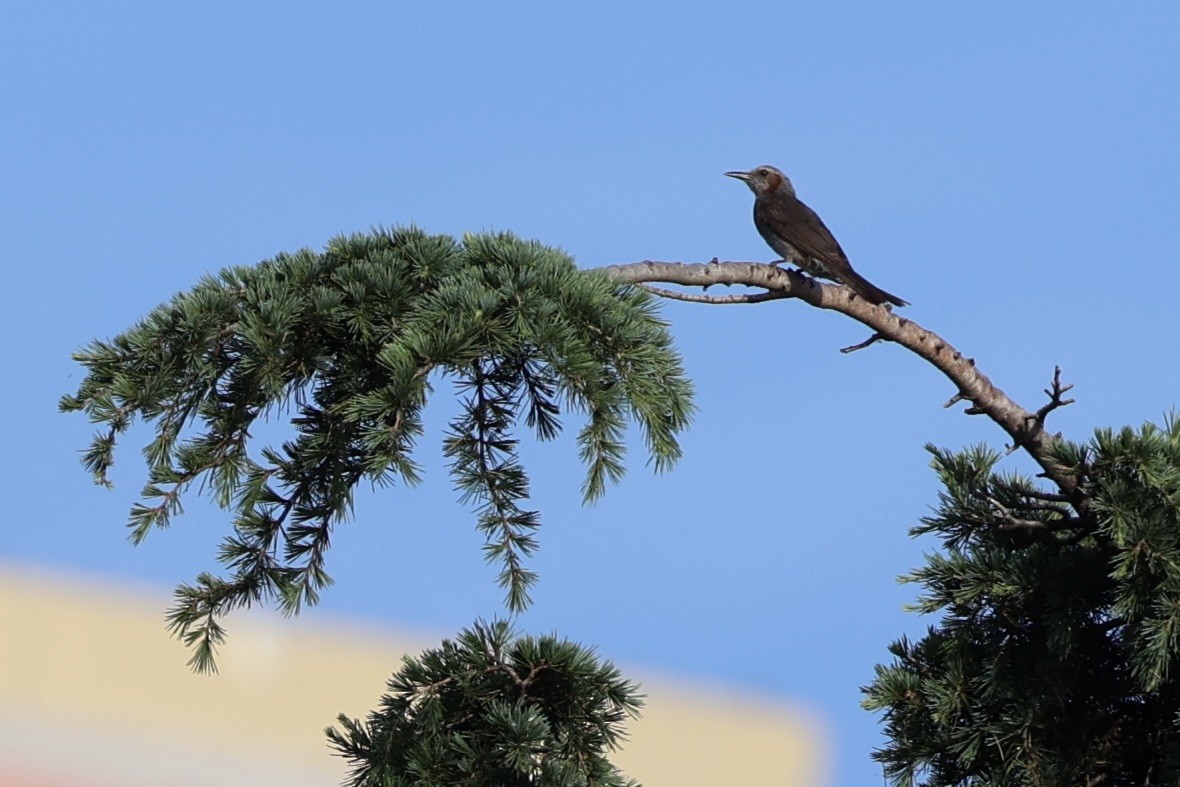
(1024, 427)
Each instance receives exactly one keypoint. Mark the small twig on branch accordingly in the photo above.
(1054, 392)
(1112, 624)
(1034, 494)
(1051, 508)
(954, 400)
(749, 297)
(1011, 522)
(876, 337)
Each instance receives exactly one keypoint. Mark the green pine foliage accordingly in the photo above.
(1056, 660)
(346, 344)
(490, 709)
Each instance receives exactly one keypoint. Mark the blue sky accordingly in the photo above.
(1012, 170)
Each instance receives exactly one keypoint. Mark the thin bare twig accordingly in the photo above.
(1036, 494)
(1051, 508)
(876, 337)
(1054, 392)
(750, 297)
(1012, 522)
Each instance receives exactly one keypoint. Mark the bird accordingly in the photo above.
(797, 233)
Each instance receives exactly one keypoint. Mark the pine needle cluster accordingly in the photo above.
(346, 343)
(1055, 660)
(489, 709)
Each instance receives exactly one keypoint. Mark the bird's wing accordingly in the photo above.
(808, 233)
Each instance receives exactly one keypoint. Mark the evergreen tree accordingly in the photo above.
(1054, 660)
(493, 710)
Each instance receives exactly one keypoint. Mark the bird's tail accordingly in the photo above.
(871, 292)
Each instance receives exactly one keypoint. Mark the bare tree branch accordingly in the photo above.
(1024, 427)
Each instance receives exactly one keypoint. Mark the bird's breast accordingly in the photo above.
(774, 240)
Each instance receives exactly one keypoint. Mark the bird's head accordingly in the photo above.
(765, 180)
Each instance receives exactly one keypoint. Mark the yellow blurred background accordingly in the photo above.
(95, 693)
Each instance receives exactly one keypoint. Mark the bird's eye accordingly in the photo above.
(763, 172)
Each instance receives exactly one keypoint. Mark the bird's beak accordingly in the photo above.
(739, 175)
